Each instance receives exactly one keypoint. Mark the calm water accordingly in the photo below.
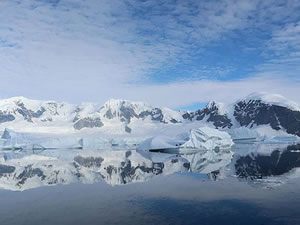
(255, 185)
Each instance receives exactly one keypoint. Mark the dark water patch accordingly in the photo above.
(223, 212)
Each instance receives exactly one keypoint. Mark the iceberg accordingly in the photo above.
(264, 134)
(160, 143)
(244, 134)
(203, 138)
(206, 138)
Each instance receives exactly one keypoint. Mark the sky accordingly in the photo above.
(178, 54)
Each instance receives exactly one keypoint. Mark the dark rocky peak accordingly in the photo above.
(211, 113)
(28, 114)
(6, 117)
(213, 106)
(125, 110)
(251, 112)
(53, 107)
(156, 114)
(88, 123)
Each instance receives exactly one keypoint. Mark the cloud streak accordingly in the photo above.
(75, 50)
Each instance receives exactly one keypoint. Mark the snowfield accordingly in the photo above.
(137, 119)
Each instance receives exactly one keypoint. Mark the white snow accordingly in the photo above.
(159, 142)
(208, 138)
(273, 99)
(220, 106)
(58, 120)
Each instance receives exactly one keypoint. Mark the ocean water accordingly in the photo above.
(256, 185)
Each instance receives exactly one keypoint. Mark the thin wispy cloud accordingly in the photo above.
(169, 53)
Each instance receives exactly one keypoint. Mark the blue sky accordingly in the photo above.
(167, 53)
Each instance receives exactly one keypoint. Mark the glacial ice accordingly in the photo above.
(160, 142)
(199, 139)
(207, 138)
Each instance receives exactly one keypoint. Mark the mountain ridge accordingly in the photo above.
(251, 111)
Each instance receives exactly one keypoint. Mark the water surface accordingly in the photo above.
(253, 186)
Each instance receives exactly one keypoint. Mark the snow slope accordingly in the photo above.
(262, 112)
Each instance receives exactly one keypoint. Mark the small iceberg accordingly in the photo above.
(206, 138)
(200, 139)
(161, 144)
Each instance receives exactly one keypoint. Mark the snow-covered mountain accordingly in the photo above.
(215, 113)
(22, 112)
(253, 111)
(273, 110)
(122, 116)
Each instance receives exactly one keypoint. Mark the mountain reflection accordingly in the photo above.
(259, 166)
(21, 171)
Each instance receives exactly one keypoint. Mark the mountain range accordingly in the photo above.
(119, 116)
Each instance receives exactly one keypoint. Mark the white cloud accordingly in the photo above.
(54, 38)
(93, 50)
(179, 94)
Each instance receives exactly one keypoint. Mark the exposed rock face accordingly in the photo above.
(212, 114)
(249, 112)
(256, 112)
(121, 111)
(4, 117)
(28, 114)
(155, 114)
(87, 122)
(5, 169)
(126, 111)
(20, 107)
(127, 129)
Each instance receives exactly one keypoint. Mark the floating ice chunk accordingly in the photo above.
(263, 134)
(160, 142)
(62, 142)
(11, 140)
(203, 138)
(245, 134)
(207, 138)
(283, 139)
